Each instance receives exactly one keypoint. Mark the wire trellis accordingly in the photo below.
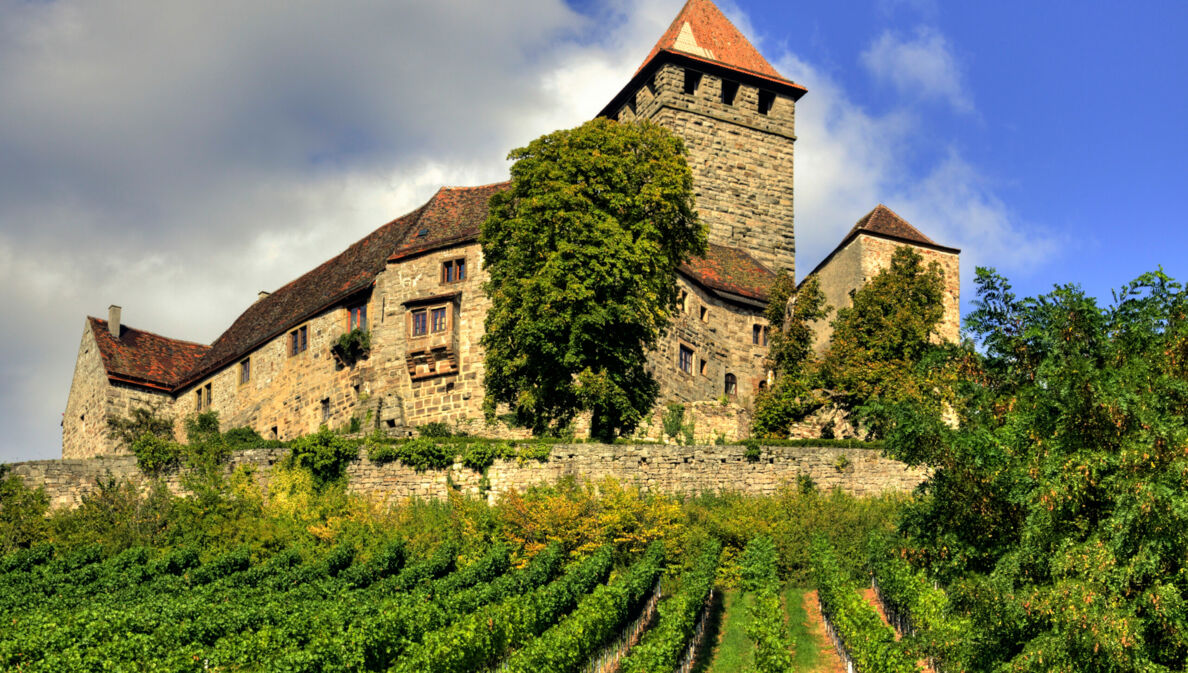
(690, 655)
(836, 639)
(608, 658)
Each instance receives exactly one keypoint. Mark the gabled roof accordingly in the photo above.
(882, 222)
(730, 270)
(143, 358)
(454, 214)
(348, 273)
(702, 31)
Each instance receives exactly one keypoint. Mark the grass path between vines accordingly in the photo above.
(733, 651)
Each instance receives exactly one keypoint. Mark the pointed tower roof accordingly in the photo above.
(882, 222)
(703, 39)
(702, 31)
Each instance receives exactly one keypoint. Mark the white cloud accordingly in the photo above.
(922, 66)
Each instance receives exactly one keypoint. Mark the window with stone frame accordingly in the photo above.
(453, 271)
(759, 335)
(357, 317)
(298, 340)
(731, 385)
(245, 371)
(202, 397)
(685, 359)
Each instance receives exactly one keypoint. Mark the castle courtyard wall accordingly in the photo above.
(673, 469)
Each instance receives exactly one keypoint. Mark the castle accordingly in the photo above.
(415, 282)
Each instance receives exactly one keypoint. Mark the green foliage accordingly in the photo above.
(566, 647)
(141, 421)
(932, 630)
(352, 346)
(760, 576)
(22, 513)
(882, 350)
(754, 450)
(663, 644)
(673, 420)
(202, 427)
(424, 453)
(582, 253)
(324, 453)
(435, 429)
(790, 314)
(869, 642)
(841, 463)
(155, 454)
(483, 637)
(1057, 512)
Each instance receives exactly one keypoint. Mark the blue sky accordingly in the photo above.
(177, 159)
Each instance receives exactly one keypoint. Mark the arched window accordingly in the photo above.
(731, 385)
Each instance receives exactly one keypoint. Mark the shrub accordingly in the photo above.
(754, 450)
(352, 346)
(479, 456)
(324, 454)
(425, 454)
(155, 455)
(436, 429)
(674, 419)
(141, 420)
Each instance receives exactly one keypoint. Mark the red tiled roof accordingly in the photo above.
(883, 220)
(731, 270)
(333, 281)
(716, 38)
(145, 358)
(454, 214)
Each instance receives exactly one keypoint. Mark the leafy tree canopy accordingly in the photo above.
(582, 253)
(790, 314)
(1058, 509)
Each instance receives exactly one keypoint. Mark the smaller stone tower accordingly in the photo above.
(705, 82)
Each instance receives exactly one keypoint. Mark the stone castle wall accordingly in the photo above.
(741, 160)
(720, 334)
(665, 468)
(93, 400)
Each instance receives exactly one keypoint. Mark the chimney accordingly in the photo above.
(262, 294)
(113, 320)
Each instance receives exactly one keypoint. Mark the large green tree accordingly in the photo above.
(790, 314)
(582, 253)
(884, 347)
(1057, 512)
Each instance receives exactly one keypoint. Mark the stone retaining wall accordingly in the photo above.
(668, 468)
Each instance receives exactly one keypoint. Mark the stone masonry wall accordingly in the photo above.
(670, 469)
(93, 400)
(741, 160)
(288, 395)
(720, 335)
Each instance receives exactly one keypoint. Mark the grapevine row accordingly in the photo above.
(864, 638)
(662, 646)
(767, 628)
(565, 647)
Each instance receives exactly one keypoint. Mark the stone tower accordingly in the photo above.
(705, 82)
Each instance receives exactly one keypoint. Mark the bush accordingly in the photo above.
(436, 429)
(22, 512)
(754, 450)
(324, 454)
(479, 456)
(674, 420)
(141, 421)
(425, 454)
(155, 455)
(352, 346)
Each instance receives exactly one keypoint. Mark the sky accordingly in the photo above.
(176, 158)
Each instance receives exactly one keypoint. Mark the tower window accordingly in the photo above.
(729, 91)
(701, 368)
(704, 314)
(766, 100)
(759, 335)
(692, 80)
(731, 385)
(326, 410)
(245, 371)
